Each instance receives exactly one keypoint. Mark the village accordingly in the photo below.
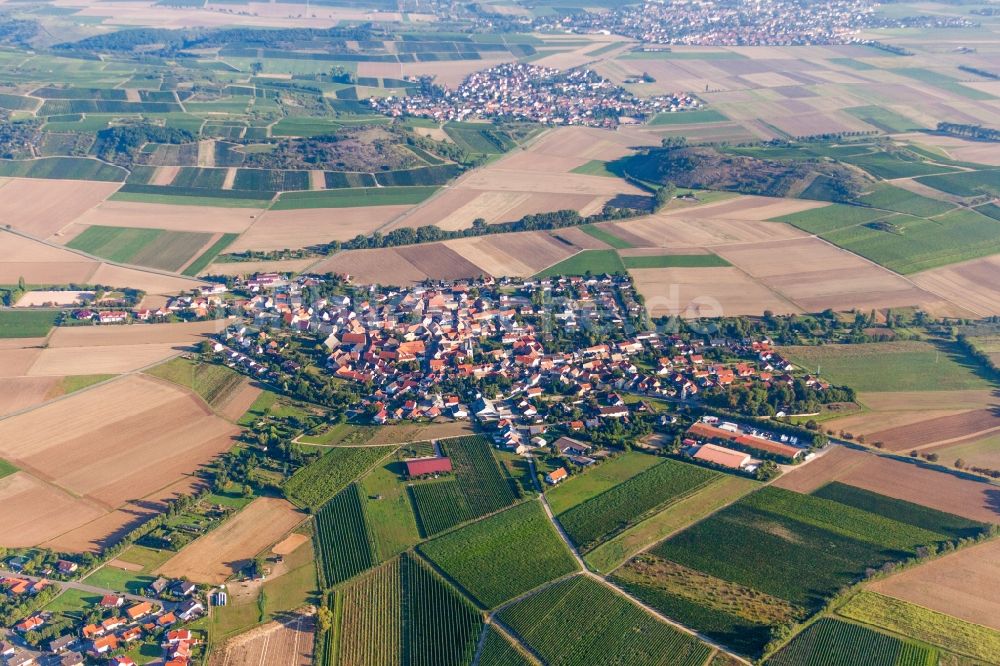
(538, 94)
(112, 629)
(739, 23)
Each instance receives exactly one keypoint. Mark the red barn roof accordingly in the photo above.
(422, 466)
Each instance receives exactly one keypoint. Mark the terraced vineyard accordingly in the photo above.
(580, 622)
(346, 546)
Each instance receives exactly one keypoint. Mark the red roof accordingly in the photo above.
(749, 441)
(423, 466)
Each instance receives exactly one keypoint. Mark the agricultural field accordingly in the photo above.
(602, 516)
(829, 642)
(403, 607)
(735, 591)
(315, 484)
(345, 543)
(558, 624)
(288, 639)
(216, 384)
(479, 487)
(582, 487)
(391, 519)
(480, 557)
(497, 651)
(593, 262)
(26, 324)
(156, 248)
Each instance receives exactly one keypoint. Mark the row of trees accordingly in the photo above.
(974, 132)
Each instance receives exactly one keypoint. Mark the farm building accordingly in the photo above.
(421, 466)
(719, 455)
(706, 431)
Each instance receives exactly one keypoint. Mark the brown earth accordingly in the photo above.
(961, 584)
(280, 229)
(21, 392)
(251, 267)
(287, 641)
(32, 511)
(183, 334)
(43, 207)
(239, 401)
(945, 429)
(289, 544)
(171, 217)
(971, 284)
(225, 550)
(107, 359)
(382, 266)
(705, 292)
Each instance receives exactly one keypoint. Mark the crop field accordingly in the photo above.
(225, 550)
(582, 487)
(605, 236)
(316, 484)
(157, 248)
(481, 556)
(440, 627)
(896, 199)
(440, 505)
(26, 323)
(604, 515)
(44, 207)
(959, 585)
(346, 547)
(497, 651)
(63, 168)
(689, 118)
(485, 487)
(587, 262)
(560, 625)
(891, 366)
(965, 183)
(948, 524)
(391, 519)
(214, 383)
(354, 197)
(286, 640)
(929, 626)
(830, 218)
(831, 642)
(370, 633)
(675, 261)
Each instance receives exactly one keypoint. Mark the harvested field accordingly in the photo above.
(239, 401)
(705, 292)
(225, 550)
(43, 297)
(251, 267)
(939, 431)
(165, 174)
(971, 285)
(151, 283)
(39, 263)
(43, 207)
(579, 238)
(903, 480)
(90, 446)
(817, 275)
(382, 266)
(924, 401)
(959, 149)
(32, 511)
(17, 393)
(457, 207)
(289, 544)
(687, 227)
(287, 641)
(521, 254)
(17, 362)
(280, 229)
(170, 217)
(961, 584)
(183, 334)
(107, 359)
(438, 261)
(512, 180)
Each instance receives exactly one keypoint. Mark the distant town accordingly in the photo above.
(539, 94)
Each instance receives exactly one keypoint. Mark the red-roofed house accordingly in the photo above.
(556, 475)
(719, 455)
(422, 466)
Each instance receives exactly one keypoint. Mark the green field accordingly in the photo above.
(157, 248)
(213, 382)
(346, 546)
(602, 516)
(481, 557)
(185, 200)
(315, 484)
(599, 168)
(966, 183)
(440, 628)
(831, 642)
(350, 198)
(916, 244)
(605, 236)
(883, 118)
(582, 486)
(498, 651)
(676, 516)
(580, 621)
(890, 366)
(828, 218)
(689, 117)
(899, 200)
(586, 261)
(390, 518)
(943, 81)
(26, 323)
(199, 264)
(305, 126)
(676, 261)
(64, 168)
(371, 623)
(929, 626)
(6, 469)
